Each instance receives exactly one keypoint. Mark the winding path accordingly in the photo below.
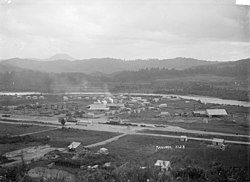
(105, 141)
(36, 132)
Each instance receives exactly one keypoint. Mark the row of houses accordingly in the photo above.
(41, 97)
(97, 106)
(101, 98)
(133, 102)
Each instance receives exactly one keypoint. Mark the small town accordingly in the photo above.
(125, 91)
(67, 135)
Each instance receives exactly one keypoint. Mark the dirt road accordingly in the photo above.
(35, 132)
(192, 138)
(106, 141)
(133, 130)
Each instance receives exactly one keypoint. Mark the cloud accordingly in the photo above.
(124, 29)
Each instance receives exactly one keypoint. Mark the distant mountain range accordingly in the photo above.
(189, 76)
(60, 56)
(62, 63)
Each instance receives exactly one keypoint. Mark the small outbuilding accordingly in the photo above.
(41, 97)
(106, 165)
(164, 165)
(199, 113)
(90, 115)
(218, 141)
(84, 122)
(164, 114)
(113, 106)
(103, 151)
(65, 98)
(114, 120)
(152, 108)
(35, 97)
(163, 105)
(184, 138)
(146, 103)
(75, 147)
(156, 99)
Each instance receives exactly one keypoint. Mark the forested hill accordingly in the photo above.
(225, 80)
(104, 65)
(27, 79)
(239, 69)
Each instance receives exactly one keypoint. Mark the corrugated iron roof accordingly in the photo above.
(164, 113)
(200, 112)
(97, 106)
(218, 140)
(216, 112)
(162, 164)
(74, 145)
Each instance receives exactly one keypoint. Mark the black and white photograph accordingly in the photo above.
(124, 90)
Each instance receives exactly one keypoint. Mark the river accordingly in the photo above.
(214, 100)
(203, 99)
(19, 93)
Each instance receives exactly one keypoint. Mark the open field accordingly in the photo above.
(18, 129)
(142, 150)
(58, 138)
(246, 139)
(193, 124)
(63, 137)
(4, 148)
(213, 127)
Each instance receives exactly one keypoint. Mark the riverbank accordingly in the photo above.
(203, 99)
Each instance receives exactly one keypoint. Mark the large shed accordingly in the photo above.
(216, 112)
(98, 107)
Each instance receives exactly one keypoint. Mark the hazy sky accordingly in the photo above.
(127, 29)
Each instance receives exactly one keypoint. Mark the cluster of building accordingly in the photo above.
(86, 106)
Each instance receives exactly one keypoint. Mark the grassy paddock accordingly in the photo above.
(4, 148)
(142, 149)
(58, 138)
(194, 135)
(17, 129)
(214, 125)
(63, 137)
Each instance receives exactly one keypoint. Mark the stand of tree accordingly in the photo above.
(133, 173)
(228, 80)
